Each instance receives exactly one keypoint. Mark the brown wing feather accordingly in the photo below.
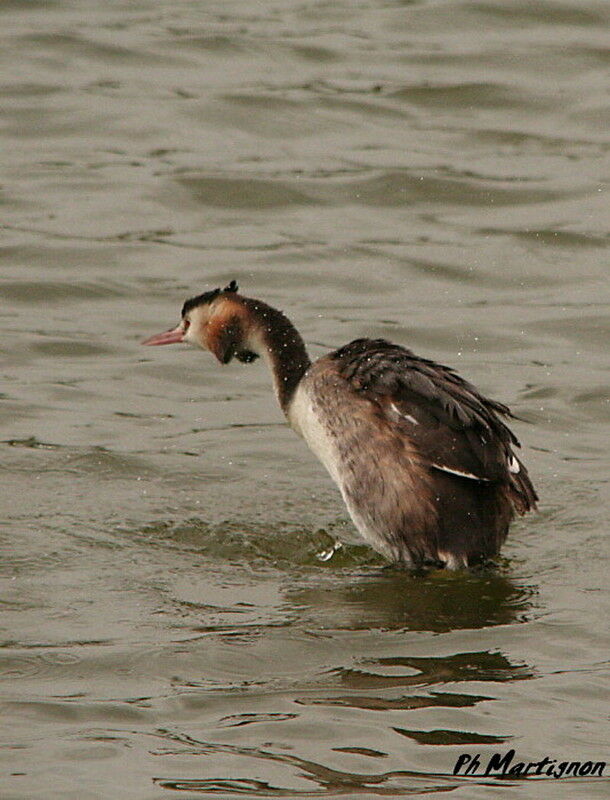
(450, 422)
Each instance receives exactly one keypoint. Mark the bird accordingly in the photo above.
(424, 462)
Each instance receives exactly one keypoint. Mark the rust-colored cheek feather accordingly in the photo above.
(226, 330)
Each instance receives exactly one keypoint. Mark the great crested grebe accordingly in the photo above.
(424, 463)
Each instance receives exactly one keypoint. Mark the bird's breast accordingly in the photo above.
(306, 419)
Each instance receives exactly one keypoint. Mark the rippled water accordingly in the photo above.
(432, 172)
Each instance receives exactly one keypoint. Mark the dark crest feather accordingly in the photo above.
(207, 297)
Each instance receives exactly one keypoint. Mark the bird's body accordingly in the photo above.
(423, 461)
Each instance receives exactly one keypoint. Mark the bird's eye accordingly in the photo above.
(186, 324)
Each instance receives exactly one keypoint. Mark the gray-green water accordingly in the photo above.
(432, 172)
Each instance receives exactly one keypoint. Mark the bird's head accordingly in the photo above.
(216, 321)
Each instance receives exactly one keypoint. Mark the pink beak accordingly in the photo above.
(167, 337)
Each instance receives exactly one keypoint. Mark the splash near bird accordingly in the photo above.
(422, 459)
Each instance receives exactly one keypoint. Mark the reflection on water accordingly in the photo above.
(328, 780)
(434, 602)
(431, 172)
(483, 666)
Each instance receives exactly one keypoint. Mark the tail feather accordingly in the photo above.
(522, 491)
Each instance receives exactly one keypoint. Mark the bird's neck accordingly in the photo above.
(280, 342)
